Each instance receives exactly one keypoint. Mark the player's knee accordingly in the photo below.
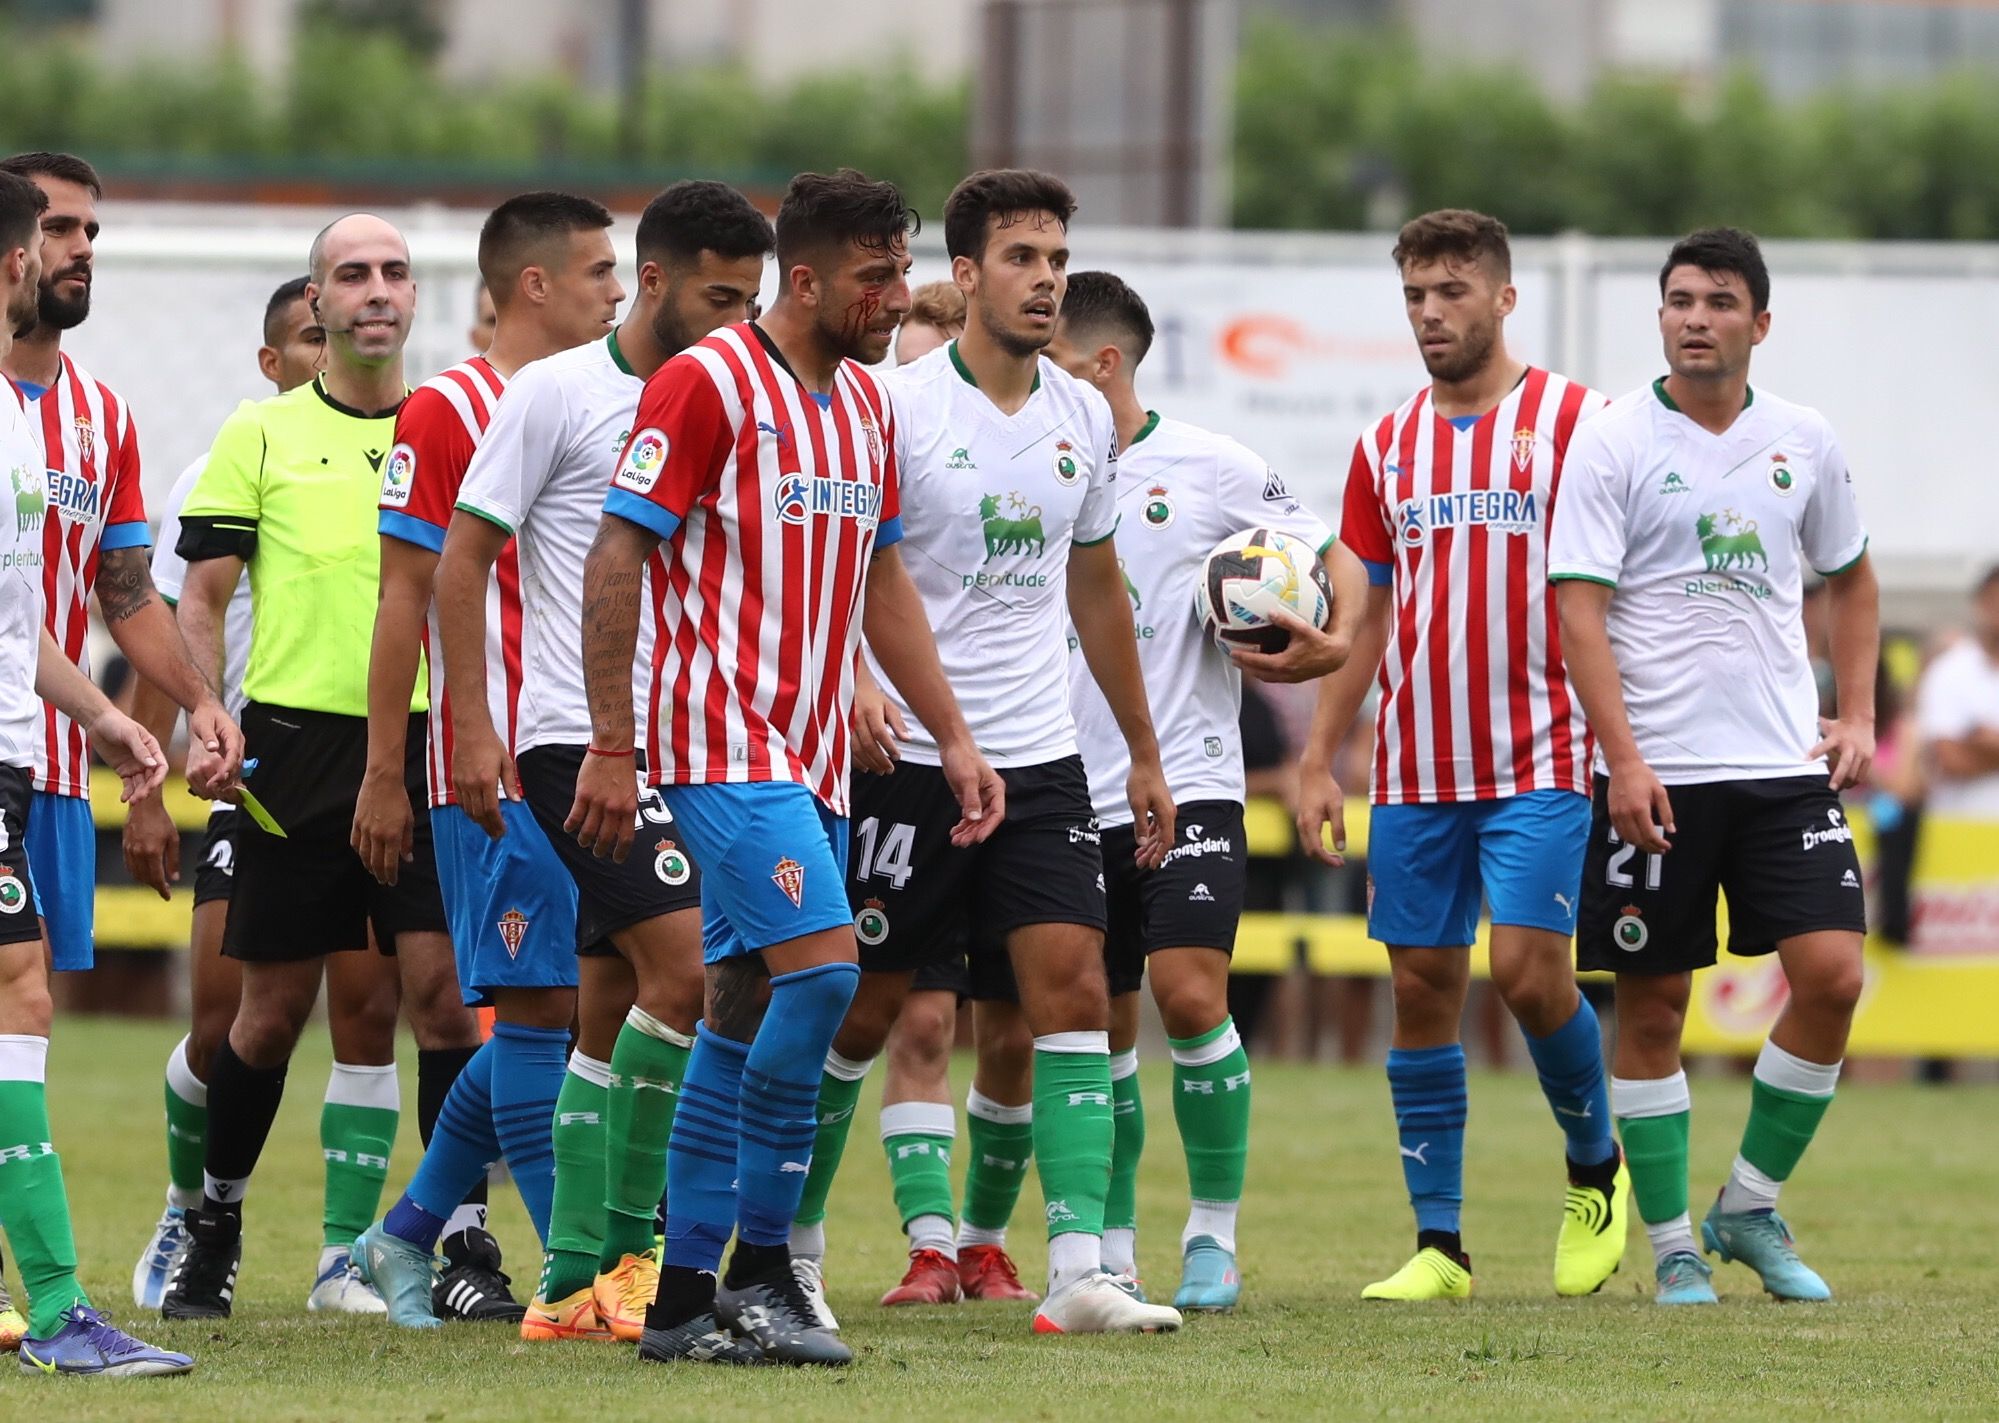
(675, 1001)
(265, 1032)
(204, 1036)
(28, 1010)
(1833, 991)
(1190, 1009)
(1651, 1022)
(922, 1038)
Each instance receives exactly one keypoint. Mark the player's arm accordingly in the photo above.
(481, 768)
(1640, 809)
(151, 839)
(384, 833)
(145, 630)
(127, 747)
(1321, 801)
(1100, 610)
(876, 724)
(898, 630)
(1313, 651)
(1847, 740)
(607, 797)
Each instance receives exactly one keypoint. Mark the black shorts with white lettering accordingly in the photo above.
(1192, 901)
(917, 898)
(215, 871)
(1780, 849)
(305, 894)
(18, 921)
(658, 877)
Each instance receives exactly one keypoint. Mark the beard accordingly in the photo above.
(1471, 356)
(60, 313)
(1015, 343)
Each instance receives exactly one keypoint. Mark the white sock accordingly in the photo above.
(230, 1193)
(1672, 1237)
(471, 1215)
(808, 1242)
(1214, 1218)
(329, 1253)
(932, 1232)
(360, 1085)
(970, 1235)
(1121, 1250)
(1749, 1189)
(1072, 1255)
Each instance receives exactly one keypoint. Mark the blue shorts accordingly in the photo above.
(773, 863)
(62, 853)
(510, 903)
(1427, 865)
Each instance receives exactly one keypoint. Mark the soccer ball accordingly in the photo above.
(1249, 573)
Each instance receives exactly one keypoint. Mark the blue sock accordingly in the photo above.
(528, 1065)
(1570, 1061)
(461, 1147)
(409, 1221)
(780, 1096)
(701, 1154)
(1428, 1085)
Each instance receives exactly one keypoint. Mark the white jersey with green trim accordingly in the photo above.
(541, 472)
(20, 587)
(1705, 537)
(991, 504)
(1181, 491)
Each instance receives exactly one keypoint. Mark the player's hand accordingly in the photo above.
(152, 845)
(384, 834)
(1152, 812)
(980, 791)
(1321, 803)
(482, 772)
(878, 729)
(1848, 746)
(605, 813)
(1312, 652)
(1640, 810)
(214, 750)
(129, 749)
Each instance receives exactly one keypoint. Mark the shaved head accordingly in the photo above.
(357, 228)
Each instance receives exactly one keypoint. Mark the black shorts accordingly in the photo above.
(658, 877)
(1192, 901)
(18, 921)
(916, 897)
(1780, 849)
(215, 871)
(306, 894)
(985, 976)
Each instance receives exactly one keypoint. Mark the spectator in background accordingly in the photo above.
(936, 315)
(1957, 713)
(485, 320)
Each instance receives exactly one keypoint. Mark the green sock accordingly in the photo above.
(1000, 1140)
(187, 1128)
(34, 1208)
(648, 1062)
(839, 1093)
(1127, 1143)
(576, 1215)
(1073, 1130)
(357, 1130)
(1653, 1117)
(917, 1138)
(1781, 1125)
(1211, 1098)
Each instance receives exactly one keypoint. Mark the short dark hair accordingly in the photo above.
(822, 211)
(1717, 250)
(64, 166)
(21, 207)
(698, 216)
(1455, 235)
(1101, 302)
(1988, 582)
(1001, 193)
(519, 230)
(280, 303)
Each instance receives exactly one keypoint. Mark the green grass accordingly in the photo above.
(1894, 1206)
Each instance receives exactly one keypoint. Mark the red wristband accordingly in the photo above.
(600, 751)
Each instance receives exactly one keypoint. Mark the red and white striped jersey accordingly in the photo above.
(94, 506)
(437, 430)
(772, 500)
(1475, 701)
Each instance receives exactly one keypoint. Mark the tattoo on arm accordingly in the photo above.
(612, 583)
(124, 582)
(738, 993)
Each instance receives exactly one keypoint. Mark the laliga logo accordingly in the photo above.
(402, 465)
(648, 451)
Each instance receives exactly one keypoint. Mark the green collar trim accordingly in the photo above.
(1659, 389)
(618, 355)
(1151, 424)
(972, 380)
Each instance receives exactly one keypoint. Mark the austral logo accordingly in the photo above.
(799, 497)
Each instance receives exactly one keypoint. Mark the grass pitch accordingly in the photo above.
(1894, 1206)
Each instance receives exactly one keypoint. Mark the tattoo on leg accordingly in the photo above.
(738, 993)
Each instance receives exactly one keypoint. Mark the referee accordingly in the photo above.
(290, 492)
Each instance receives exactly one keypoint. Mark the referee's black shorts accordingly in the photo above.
(306, 894)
